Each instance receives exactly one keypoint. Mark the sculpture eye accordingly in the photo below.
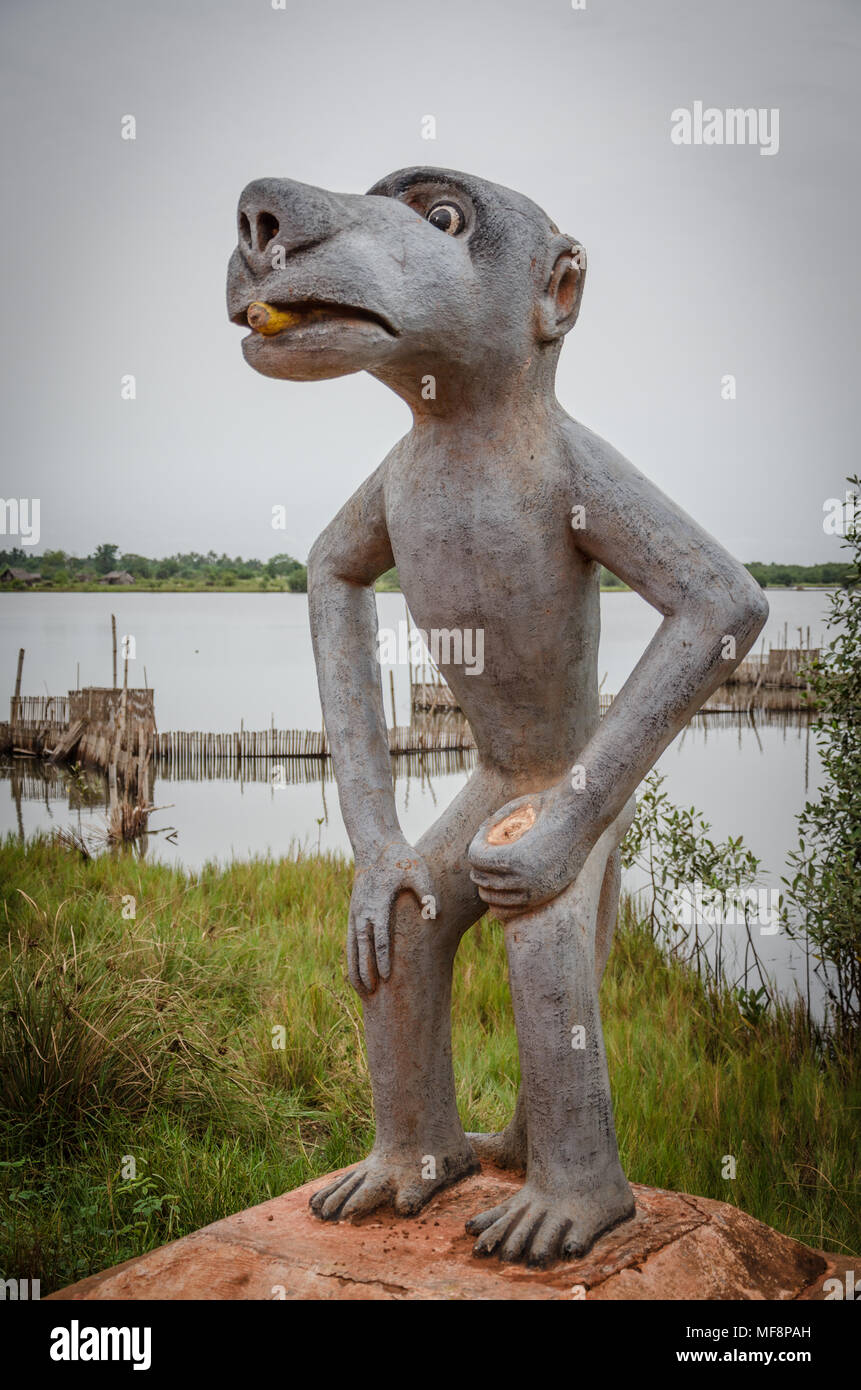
(448, 217)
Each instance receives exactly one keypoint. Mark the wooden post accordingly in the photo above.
(392, 694)
(115, 808)
(16, 702)
(409, 659)
(114, 638)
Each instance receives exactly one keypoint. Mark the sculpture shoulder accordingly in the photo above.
(594, 464)
(355, 545)
(621, 501)
(643, 536)
(369, 499)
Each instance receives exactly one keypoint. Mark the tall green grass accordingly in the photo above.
(150, 1038)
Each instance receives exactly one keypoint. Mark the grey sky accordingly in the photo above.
(702, 260)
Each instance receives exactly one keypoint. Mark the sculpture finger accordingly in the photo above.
(367, 963)
(487, 878)
(382, 942)
(494, 897)
(420, 882)
(353, 955)
(490, 859)
(503, 888)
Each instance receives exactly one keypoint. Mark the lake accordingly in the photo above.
(217, 659)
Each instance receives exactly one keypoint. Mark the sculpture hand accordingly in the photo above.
(528, 853)
(397, 869)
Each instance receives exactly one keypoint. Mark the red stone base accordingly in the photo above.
(676, 1247)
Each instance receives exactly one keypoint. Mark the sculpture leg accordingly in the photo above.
(575, 1188)
(507, 1148)
(420, 1145)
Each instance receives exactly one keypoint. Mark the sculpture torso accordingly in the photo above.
(481, 534)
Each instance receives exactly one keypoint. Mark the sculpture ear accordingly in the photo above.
(560, 303)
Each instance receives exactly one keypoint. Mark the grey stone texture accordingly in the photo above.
(498, 509)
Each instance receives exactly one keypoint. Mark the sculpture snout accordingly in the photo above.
(282, 213)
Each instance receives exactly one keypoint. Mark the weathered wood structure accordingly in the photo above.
(82, 726)
(178, 748)
(781, 668)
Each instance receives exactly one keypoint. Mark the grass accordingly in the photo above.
(149, 1038)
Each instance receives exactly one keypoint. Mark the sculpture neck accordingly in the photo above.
(493, 396)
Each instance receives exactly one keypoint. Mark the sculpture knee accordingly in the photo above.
(422, 941)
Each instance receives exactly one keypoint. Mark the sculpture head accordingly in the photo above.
(431, 271)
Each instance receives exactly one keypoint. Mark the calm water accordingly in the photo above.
(215, 659)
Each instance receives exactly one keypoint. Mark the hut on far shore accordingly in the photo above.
(13, 576)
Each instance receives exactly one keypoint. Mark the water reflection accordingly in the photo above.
(723, 763)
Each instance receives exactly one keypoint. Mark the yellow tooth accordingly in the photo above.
(266, 319)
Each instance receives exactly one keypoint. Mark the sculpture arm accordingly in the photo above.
(706, 598)
(348, 557)
(712, 608)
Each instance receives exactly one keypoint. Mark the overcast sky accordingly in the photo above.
(703, 261)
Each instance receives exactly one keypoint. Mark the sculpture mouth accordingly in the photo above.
(283, 318)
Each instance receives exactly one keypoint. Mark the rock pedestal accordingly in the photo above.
(676, 1247)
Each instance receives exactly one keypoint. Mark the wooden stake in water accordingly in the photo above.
(409, 652)
(114, 640)
(16, 703)
(392, 694)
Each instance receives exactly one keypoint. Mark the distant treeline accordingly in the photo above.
(61, 570)
(787, 575)
(58, 569)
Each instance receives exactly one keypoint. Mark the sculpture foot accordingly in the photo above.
(535, 1228)
(504, 1149)
(386, 1182)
